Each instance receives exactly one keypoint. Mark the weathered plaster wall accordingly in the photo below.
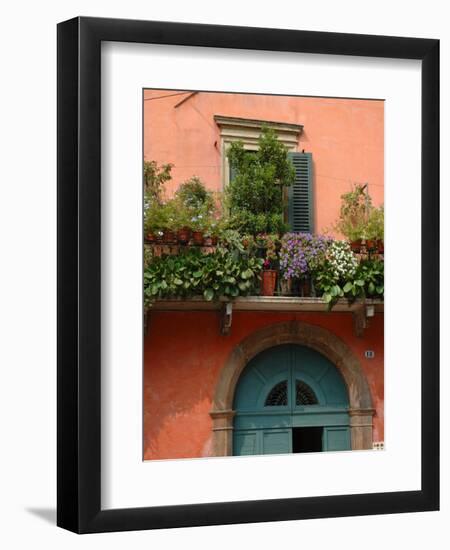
(345, 136)
(184, 353)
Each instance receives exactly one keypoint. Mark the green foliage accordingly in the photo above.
(194, 194)
(356, 206)
(325, 281)
(155, 178)
(339, 277)
(155, 218)
(222, 273)
(375, 224)
(192, 207)
(255, 196)
(245, 222)
(367, 282)
(197, 206)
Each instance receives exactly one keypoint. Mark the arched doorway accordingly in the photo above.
(290, 398)
(317, 338)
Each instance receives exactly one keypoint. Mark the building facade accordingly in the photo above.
(265, 375)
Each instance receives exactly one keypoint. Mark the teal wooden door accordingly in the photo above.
(290, 398)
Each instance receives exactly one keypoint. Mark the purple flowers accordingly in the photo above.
(301, 254)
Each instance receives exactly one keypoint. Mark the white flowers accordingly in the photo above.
(342, 260)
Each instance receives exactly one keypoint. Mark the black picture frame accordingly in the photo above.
(79, 280)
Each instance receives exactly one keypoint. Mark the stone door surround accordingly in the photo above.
(292, 332)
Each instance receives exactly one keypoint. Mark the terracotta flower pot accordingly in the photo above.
(371, 245)
(380, 246)
(197, 237)
(305, 288)
(356, 245)
(183, 235)
(150, 237)
(169, 236)
(268, 282)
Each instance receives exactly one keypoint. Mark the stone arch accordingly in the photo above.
(292, 332)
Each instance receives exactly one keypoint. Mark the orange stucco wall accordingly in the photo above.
(184, 353)
(345, 137)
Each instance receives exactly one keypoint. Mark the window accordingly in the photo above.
(304, 395)
(299, 197)
(277, 396)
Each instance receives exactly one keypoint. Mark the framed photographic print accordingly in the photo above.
(248, 307)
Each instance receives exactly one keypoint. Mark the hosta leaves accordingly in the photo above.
(247, 274)
(193, 273)
(348, 286)
(208, 294)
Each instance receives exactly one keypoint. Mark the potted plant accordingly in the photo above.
(270, 244)
(375, 230)
(155, 221)
(338, 267)
(198, 223)
(268, 279)
(356, 206)
(254, 197)
(170, 222)
(180, 222)
(211, 233)
(198, 203)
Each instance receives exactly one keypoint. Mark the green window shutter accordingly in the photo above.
(300, 194)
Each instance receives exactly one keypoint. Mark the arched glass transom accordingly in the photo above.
(304, 395)
(278, 395)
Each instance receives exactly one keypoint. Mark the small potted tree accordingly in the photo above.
(375, 230)
(211, 234)
(199, 222)
(199, 205)
(170, 222)
(355, 209)
(155, 222)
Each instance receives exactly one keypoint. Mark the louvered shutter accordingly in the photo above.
(300, 194)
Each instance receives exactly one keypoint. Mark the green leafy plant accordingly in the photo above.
(198, 207)
(254, 197)
(194, 194)
(221, 273)
(368, 281)
(356, 206)
(156, 218)
(155, 177)
(375, 224)
(338, 267)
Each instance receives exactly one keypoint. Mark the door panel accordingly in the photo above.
(276, 442)
(337, 439)
(245, 443)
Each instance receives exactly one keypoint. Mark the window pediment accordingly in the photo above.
(248, 130)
